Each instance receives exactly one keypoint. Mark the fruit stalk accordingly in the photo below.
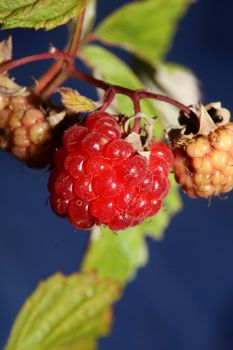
(134, 95)
(56, 74)
(33, 58)
(107, 100)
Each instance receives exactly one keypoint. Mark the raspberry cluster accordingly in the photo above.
(99, 178)
(204, 164)
(23, 130)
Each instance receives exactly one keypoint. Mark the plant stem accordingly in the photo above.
(107, 99)
(48, 76)
(56, 74)
(134, 95)
(53, 84)
(137, 109)
(39, 57)
(76, 35)
(110, 89)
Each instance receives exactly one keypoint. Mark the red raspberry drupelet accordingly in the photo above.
(99, 178)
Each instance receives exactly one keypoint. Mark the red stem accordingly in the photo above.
(48, 76)
(135, 96)
(39, 57)
(107, 100)
(110, 89)
(76, 37)
(54, 76)
(151, 95)
(137, 108)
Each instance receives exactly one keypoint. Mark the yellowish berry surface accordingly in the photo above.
(203, 165)
(24, 131)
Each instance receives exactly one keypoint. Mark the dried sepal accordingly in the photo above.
(220, 116)
(205, 120)
(55, 118)
(206, 123)
(8, 87)
(6, 50)
(143, 139)
(135, 140)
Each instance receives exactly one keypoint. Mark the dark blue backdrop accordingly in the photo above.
(183, 299)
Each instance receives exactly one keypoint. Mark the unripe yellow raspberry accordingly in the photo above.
(24, 130)
(203, 161)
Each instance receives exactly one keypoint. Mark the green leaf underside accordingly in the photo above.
(173, 80)
(46, 14)
(116, 255)
(75, 102)
(65, 313)
(84, 344)
(109, 67)
(144, 28)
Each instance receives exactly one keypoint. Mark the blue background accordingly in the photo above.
(183, 299)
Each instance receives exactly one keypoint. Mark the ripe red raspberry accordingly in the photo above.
(203, 163)
(99, 178)
(23, 130)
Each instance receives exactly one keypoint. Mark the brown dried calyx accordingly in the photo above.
(24, 130)
(142, 139)
(203, 151)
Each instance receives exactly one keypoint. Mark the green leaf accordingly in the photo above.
(64, 311)
(173, 80)
(86, 344)
(116, 255)
(75, 102)
(144, 28)
(178, 82)
(46, 14)
(107, 66)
